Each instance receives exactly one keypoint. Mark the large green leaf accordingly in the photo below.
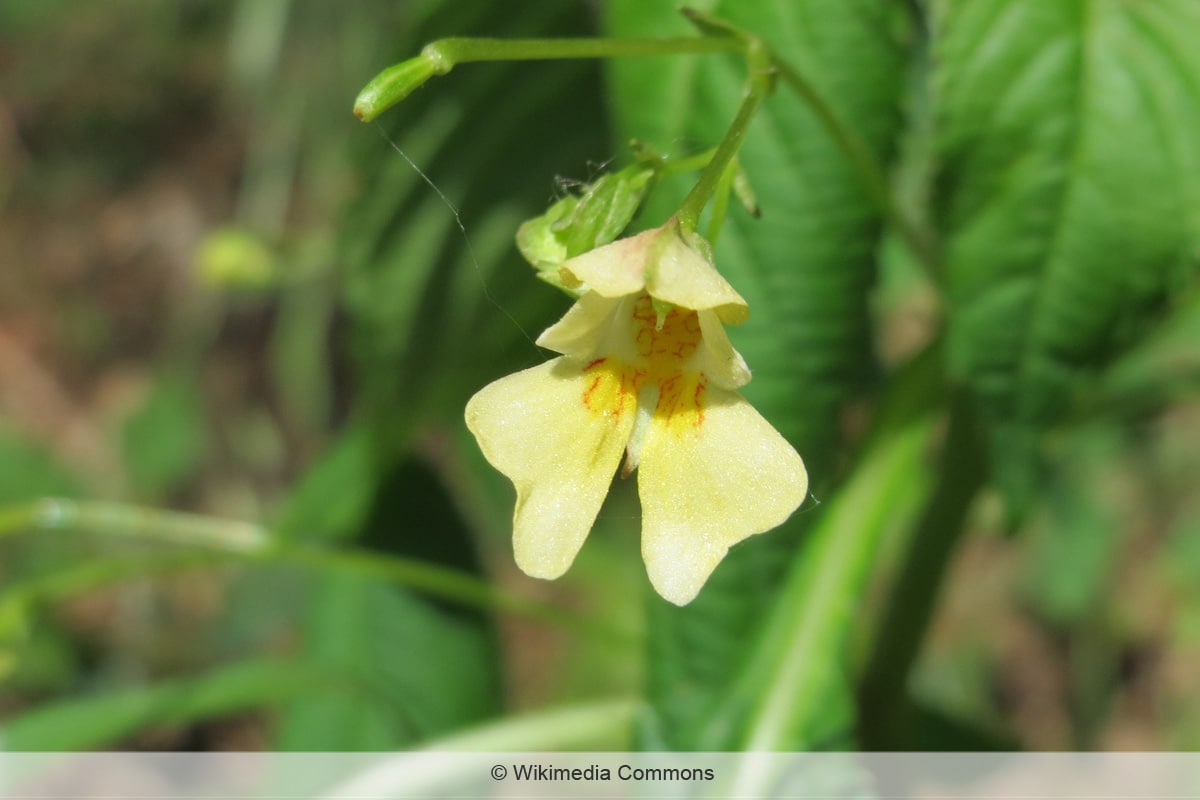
(805, 269)
(1068, 136)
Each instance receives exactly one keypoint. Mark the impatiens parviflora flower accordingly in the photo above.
(647, 374)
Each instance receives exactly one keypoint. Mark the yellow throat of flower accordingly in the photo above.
(657, 384)
(664, 342)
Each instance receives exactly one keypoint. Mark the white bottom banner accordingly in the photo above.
(679, 776)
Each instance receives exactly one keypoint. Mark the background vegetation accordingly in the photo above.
(221, 294)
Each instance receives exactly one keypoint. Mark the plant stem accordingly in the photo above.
(883, 690)
(437, 58)
(247, 541)
(758, 85)
(447, 53)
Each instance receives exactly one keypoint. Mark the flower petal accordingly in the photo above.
(584, 329)
(680, 274)
(614, 270)
(711, 475)
(716, 357)
(557, 431)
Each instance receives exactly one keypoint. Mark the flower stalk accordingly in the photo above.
(717, 36)
(437, 58)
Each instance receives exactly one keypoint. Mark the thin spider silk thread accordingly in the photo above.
(487, 292)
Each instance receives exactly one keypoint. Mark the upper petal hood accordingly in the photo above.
(662, 262)
(682, 274)
(614, 270)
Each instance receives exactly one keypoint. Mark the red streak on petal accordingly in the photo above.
(698, 399)
(587, 394)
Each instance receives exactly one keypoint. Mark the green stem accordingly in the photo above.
(247, 541)
(437, 58)
(447, 53)
(883, 690)
(758, 86)
(863, 162)
(676, 165)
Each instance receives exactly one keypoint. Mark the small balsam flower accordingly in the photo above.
(647, 377)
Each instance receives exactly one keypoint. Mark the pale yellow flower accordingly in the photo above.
(647, 373)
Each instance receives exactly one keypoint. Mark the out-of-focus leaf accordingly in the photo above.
(30, 472)
(163, 441)
(1068, 140)
(417, 670)
(1075, 545)
(805, 267)
(1164, 368)
(421, 670)
(335, 494)
(104, 720)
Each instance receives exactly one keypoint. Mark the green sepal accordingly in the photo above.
(583, 222)
(743, 191)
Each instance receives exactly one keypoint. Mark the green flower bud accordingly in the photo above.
(394, 84)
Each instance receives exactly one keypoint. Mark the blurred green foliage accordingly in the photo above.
(1001, 426)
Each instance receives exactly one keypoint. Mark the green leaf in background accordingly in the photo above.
(1068, 142)
(1075, 539)
(334, 495)
(805, 267)
(417, 669)
(163, 441)
(104, 720)
(30, 471)
(1162, 369)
